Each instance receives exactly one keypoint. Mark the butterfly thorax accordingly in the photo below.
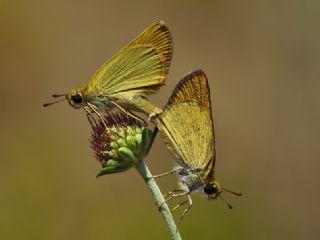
(81, 97)
(190, 179)
(134, 101)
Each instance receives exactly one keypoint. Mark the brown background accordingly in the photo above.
(262, 61)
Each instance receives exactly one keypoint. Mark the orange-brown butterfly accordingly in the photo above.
(137, 70)
(186, 126)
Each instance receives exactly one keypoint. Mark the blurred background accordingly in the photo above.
(262, 61)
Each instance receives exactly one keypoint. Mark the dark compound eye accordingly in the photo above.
(210, 189)
(77, 98)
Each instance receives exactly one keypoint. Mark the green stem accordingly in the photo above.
(159, 199)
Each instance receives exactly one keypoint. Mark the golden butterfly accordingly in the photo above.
(186, 126)
(125, 80)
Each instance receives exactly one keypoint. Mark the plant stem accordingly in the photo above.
(159, 199)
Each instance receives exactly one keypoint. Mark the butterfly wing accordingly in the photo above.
(139, 68)
(186, 123)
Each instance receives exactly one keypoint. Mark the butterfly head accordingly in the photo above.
(212, 189)
(76, 98)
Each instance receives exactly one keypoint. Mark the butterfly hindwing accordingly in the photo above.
(186, 122)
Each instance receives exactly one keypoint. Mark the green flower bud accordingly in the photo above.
(111, 163)
(114, 145)
(126, 154)
(113, 154)
(138, 138)
(138, 130)
(131, 142)
(119, 142)
(130, 130)
(121, 133)
(122, 142)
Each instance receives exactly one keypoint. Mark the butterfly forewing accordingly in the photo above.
(142, 66)
(186, 123)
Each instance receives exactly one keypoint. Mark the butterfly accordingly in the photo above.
(124, 81)
(186, 125)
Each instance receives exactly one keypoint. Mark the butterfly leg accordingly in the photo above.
(185, 210)
(91, 119)
(173, 191)
(166, 173)
(179, 205)
(127, 112)
(173, 194)
(93, 108)
(86, 108)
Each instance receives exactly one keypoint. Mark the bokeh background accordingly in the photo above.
(262, 61)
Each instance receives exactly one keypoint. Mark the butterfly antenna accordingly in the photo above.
(225, 201)
(232, 192)
(58, 95)
(55, 96)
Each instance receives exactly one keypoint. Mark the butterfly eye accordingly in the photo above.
(210, 189)
(77, 98)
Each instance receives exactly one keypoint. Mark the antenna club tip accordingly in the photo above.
(54, 102)
(58, 95)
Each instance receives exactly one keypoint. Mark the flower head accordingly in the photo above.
(119, 141)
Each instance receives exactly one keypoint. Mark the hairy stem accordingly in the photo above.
(159, 199)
